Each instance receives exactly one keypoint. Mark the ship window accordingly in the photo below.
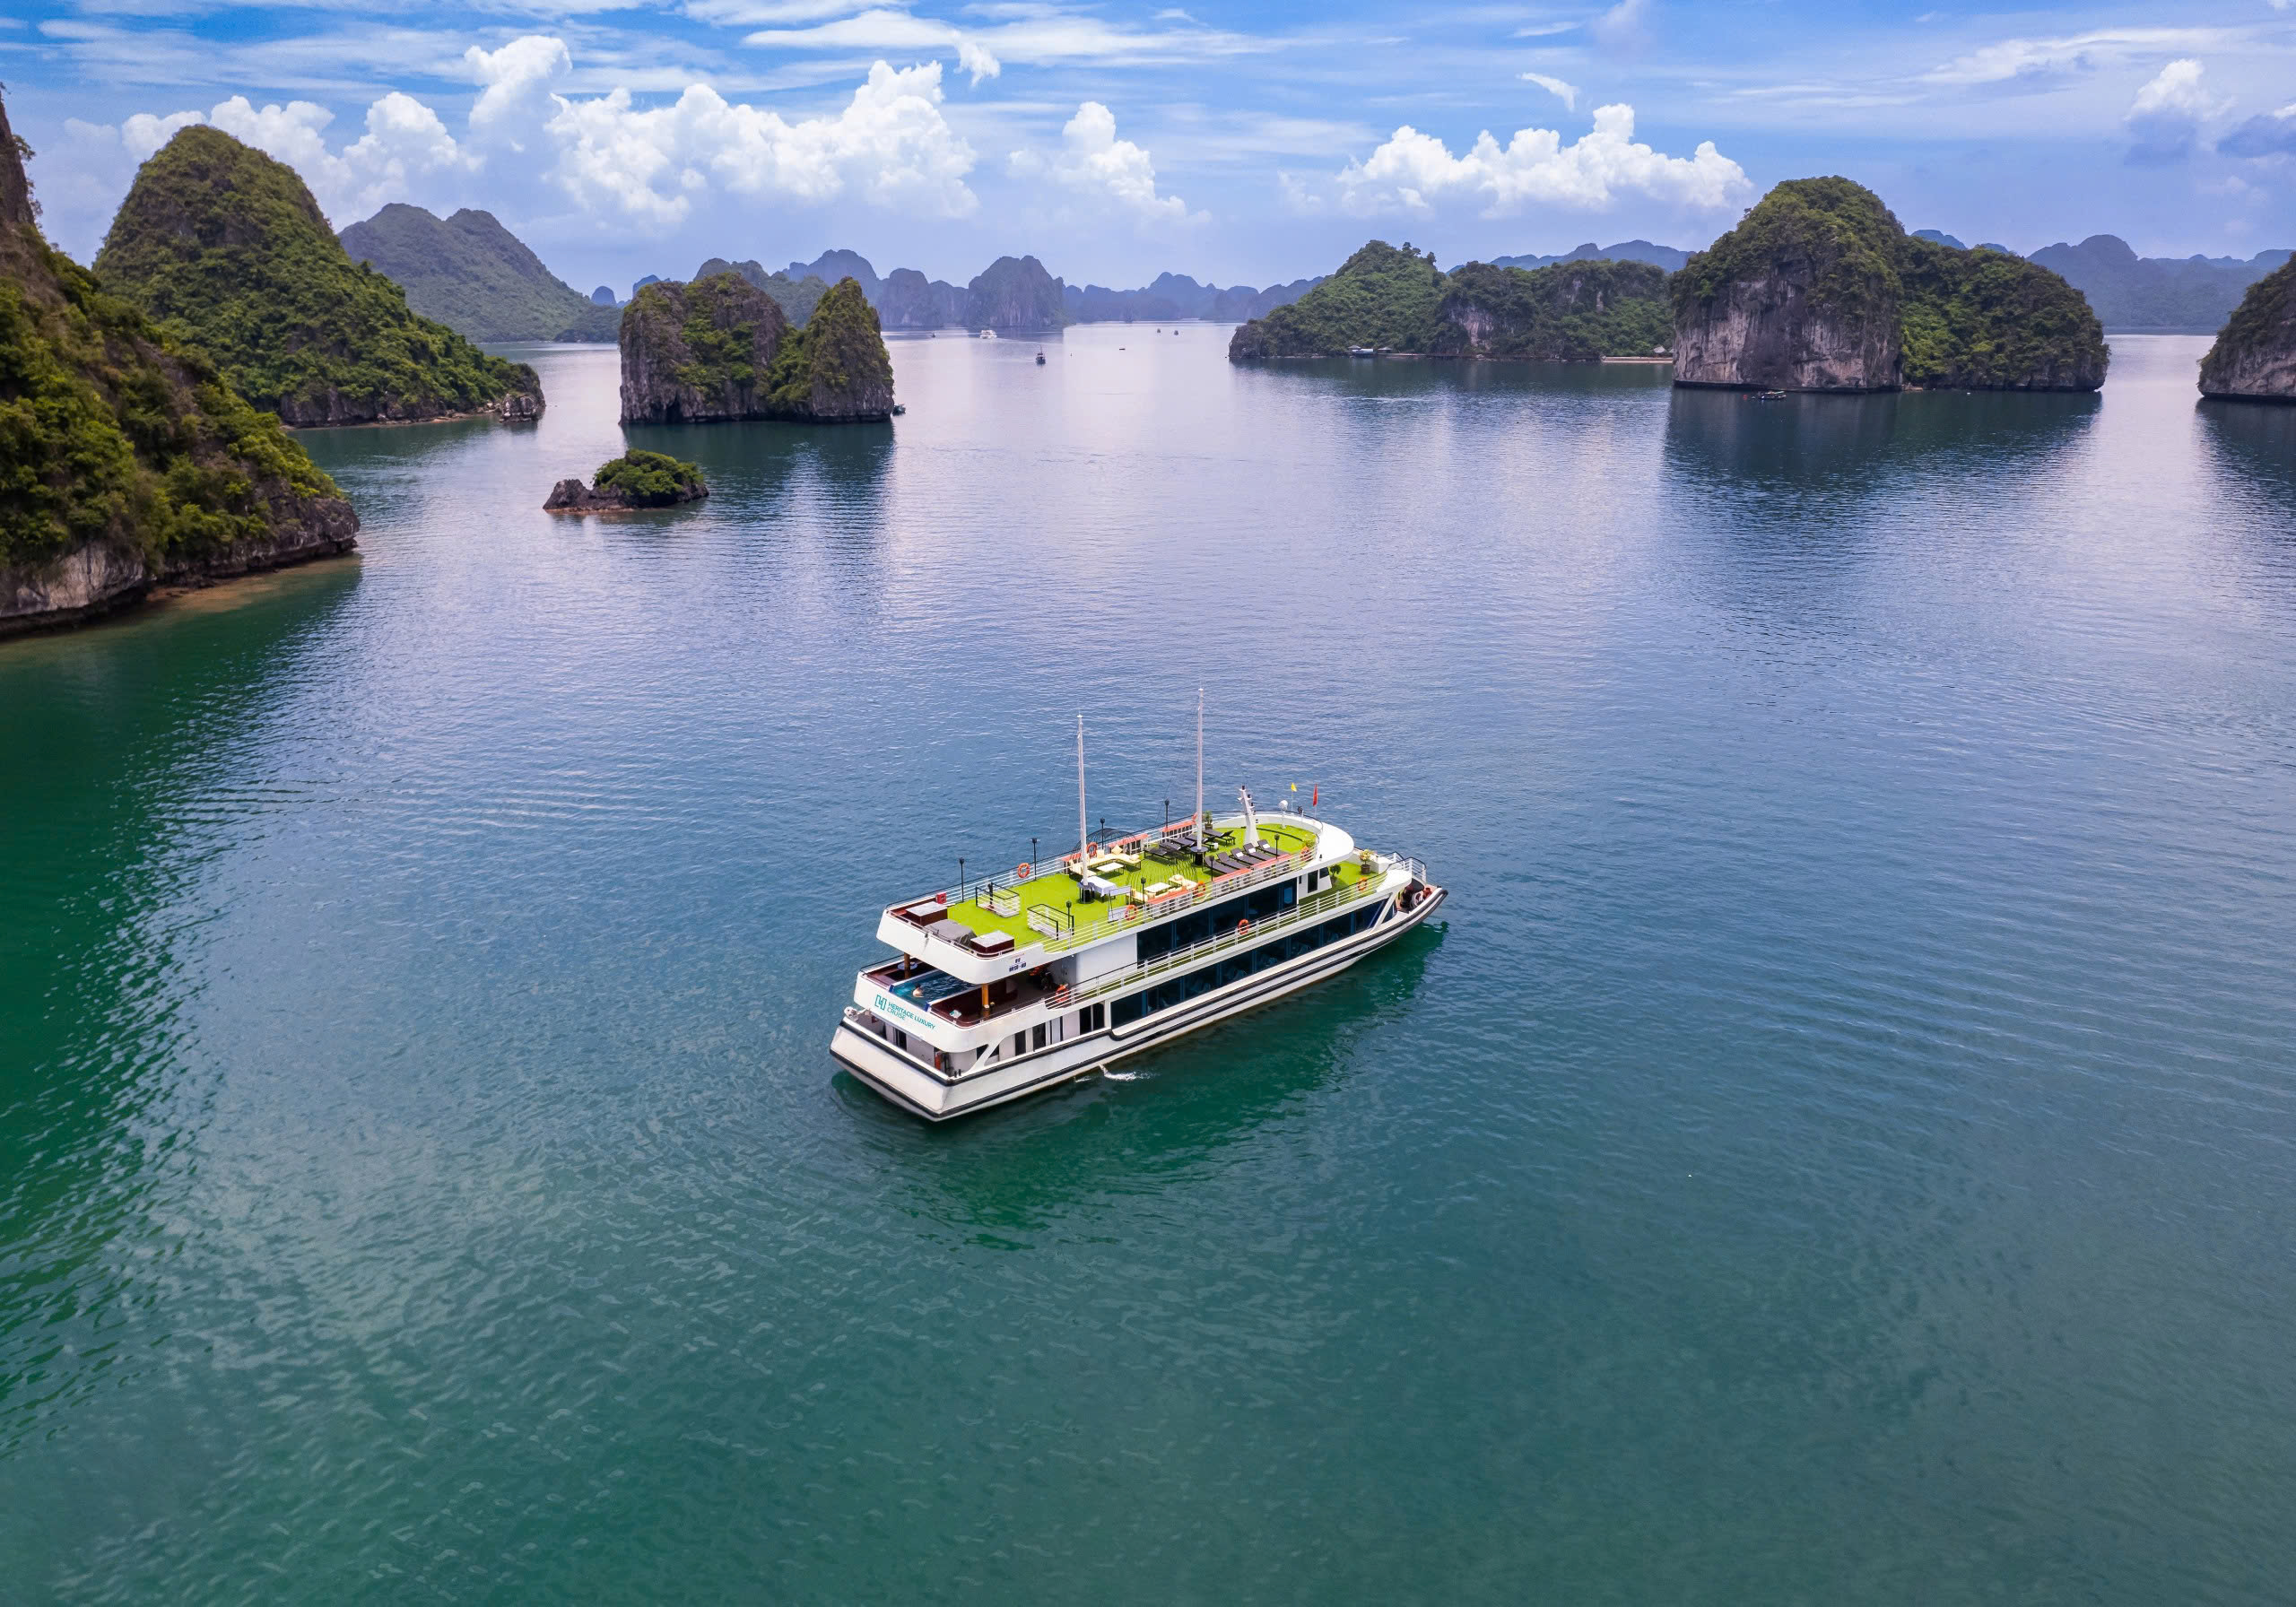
(1037, 1036)
(1021, 1043)
(901, 1038)
(1128, 1009)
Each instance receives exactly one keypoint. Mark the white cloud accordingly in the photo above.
(2271, 134)
(881, 30)
(1416, 172)
(1567, 94)
(404, 143)
(1297, 199)
(1624, 26)
(1106, 172)
(2164, 120)
(1038, 34)
(889, 144)
(517, 99)
(2047, 60)
(143, 134)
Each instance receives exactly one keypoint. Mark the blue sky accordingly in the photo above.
(1238, 143)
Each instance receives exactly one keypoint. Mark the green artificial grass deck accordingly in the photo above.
(1061, 892)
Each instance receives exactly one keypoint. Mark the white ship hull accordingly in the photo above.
(916, 1086)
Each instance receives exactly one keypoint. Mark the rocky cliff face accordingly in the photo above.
(835, 370)
(1985, 320)
(695, 354)
(2254, 359)
(226, 250)
(909, 301)
(1819, 289)
(1769, 332)
(1016, 292)
(126, 460)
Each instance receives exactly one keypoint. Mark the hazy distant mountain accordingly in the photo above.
(1016, 292)
(1669, 257)
(830, 266)
(1939, 237)
(907, 299)
(603, 296)
(1175, 296)
(475, 277)
(2193, 294)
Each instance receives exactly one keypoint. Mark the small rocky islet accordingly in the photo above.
(634, 481)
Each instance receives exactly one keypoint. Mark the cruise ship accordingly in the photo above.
(1010, 985)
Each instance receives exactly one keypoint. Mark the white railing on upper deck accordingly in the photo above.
(1314, 908)
(1062, 930)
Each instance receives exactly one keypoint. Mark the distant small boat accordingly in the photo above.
(899, 409)
(988, 334)
(1770, 396)
(1361, 352)
(1039, 360)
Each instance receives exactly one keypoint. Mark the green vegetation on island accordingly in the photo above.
(1819, 287)
(1983, 320)
(477, 278)
(2254, 358)
(835, 370)
(125, 459)
(1577, 311)
(226, 250)
(1395, 298)
(637, 479)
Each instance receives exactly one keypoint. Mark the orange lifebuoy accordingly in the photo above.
(1243, 926)
(1023, 870)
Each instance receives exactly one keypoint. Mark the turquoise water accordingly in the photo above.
(1839, 1145)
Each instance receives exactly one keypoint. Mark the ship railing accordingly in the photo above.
(1315, 907)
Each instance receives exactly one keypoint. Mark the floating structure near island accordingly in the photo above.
(1006, 985)
(988, 334)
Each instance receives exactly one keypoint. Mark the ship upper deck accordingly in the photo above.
(1125, 883)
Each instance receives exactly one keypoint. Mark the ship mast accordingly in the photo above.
(1199, 759)
(1083, 838)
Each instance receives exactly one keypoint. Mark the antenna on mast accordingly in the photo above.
(1083, 839)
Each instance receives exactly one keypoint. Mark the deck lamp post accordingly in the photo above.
(960, 878)
(1032, 854)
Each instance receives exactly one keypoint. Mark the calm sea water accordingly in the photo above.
(1840, 1145)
